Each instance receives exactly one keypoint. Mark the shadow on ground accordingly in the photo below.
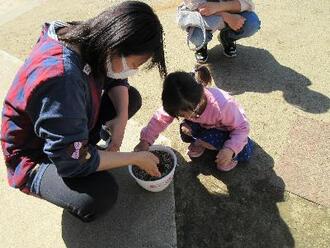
(139, 219)
(256, 70)
(77, 234)
(236, 209)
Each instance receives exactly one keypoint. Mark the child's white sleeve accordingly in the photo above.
(246, 5)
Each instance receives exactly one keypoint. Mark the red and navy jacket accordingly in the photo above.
(49, 110)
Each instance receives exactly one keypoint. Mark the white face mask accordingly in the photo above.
(125, 73)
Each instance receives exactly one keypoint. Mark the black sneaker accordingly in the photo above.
(201, 55)
(229, 47)
(105, 138)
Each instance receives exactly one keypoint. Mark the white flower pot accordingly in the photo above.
(162, 183)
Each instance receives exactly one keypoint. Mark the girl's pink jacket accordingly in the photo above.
(221, 112)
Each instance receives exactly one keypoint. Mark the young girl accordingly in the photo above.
(212, 119)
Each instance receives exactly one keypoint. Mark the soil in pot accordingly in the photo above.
(165, 166)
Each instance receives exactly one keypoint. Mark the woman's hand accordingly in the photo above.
(234, 21)
(148, 162)
(117, 129)
(142, 146)
(224, 157)
(207, 9)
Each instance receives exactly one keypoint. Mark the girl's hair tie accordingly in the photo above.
(202, 75)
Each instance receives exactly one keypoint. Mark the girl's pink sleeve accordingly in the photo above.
(234, 119)
(158, 123)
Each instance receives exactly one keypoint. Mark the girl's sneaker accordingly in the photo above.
(195, 151)
(229, 167)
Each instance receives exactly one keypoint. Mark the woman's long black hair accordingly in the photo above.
(130, 28)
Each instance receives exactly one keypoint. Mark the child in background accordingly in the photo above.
(238, 18)
(212, 119)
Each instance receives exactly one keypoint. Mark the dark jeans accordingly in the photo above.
(108, 112)
(250, 27)
(90, 196)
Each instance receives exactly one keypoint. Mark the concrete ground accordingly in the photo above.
(280, 198)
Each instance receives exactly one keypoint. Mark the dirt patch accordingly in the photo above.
(304, 164)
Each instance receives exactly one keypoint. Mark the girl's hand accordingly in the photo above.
(117, 129)
(148, 162)
(207, 9)
(234, 21)
(186, 129)
(224, 157)
(142, 146)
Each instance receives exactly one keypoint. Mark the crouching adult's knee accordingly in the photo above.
(252, 23)
(135, 101)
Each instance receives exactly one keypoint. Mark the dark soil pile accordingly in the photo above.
(165, 166)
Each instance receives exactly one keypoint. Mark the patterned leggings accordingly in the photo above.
(214, 137)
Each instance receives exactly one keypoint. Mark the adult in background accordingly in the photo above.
(236, 20)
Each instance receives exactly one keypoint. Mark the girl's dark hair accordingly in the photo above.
(130, 28)
(182, 91)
